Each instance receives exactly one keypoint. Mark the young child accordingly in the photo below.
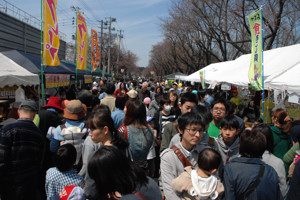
(63, 173)
(201, 183)
(227, 142)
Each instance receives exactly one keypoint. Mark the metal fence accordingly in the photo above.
(23, 16)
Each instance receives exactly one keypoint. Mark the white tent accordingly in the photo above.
(288, 80)
(212, 72)
(13, 74)
(276, 61)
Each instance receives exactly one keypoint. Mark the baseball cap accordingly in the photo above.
(29, 103)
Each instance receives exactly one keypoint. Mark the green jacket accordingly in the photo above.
(282, 142)
(169, 131)
(288, 158)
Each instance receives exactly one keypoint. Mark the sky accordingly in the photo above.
(139, 19)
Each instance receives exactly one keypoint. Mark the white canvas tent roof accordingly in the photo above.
(212, 72)
(276, 62)
(13, 74)
(288, 80)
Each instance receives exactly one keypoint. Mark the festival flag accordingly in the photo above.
(122, 70)
(202, 79)
(256, 71)
(82, 42)
(50, 34)
(95, 51)
(152, 73)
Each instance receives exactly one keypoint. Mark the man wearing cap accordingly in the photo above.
(21, 146)
(175, 87)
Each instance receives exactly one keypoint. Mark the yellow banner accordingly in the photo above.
(82, 42)
(95, 50)
(50, 34)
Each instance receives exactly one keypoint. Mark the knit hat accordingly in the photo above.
(132, 94)
(147, 100)
(29, 103)
(75, 110)
(70, 192)
(54, 102)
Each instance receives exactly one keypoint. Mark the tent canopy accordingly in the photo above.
(33, 64)
(277, 64)
(173, 76)
(288, 80)
(13, 74)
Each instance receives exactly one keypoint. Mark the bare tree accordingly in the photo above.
(199, 32)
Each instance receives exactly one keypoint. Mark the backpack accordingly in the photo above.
(140, 141)
(74, 135)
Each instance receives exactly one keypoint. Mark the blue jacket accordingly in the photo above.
(242, 171)
(294, 192)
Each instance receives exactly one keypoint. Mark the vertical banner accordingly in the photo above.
(82, 43)
(122, 71)
(202, 79)
(255, 70)
(50, 34)
(95, 51)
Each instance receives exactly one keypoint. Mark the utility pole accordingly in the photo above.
(119, 37)
(76, 10)
(101, 42)
(110, 20)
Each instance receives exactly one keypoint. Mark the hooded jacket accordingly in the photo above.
(210, 187)
(227, 153)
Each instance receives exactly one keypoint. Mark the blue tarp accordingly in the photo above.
(33, 64)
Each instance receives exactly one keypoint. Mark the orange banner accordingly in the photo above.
(82, 42)
(95, 50)
(50, 34)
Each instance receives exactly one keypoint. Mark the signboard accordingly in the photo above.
(57, 80)
(294, 98)
(88, 79)
(225, 86)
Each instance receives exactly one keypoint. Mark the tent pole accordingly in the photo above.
(42, 62)
(76, 49)
(262, 66)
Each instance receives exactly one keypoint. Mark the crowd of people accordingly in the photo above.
(130, 140)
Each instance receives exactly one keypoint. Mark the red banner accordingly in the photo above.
(95, 51)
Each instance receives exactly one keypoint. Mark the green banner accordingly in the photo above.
(202, 79)
(255, 70)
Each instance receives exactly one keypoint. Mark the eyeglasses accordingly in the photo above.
(219, 109)
(194, 131)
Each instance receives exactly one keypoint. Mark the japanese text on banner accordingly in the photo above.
(95, 50)
(255, 70)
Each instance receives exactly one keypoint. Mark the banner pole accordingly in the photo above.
(76, 49)
(262, 66)
(42, 62)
